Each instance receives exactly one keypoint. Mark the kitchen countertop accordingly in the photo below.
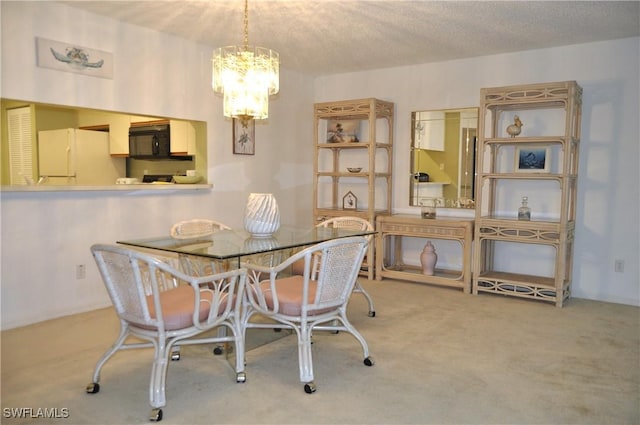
(114, 187)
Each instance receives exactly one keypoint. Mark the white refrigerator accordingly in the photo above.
(71, 156)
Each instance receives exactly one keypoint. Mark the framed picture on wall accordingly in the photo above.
(244, 138)
(532, 159)
(73, 58)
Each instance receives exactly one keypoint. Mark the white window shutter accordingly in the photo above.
(20, 145)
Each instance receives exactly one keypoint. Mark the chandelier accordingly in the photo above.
(246, 76)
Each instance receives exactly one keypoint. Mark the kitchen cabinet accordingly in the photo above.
(528, 143)
(119, 135)
(183, 138)
(118, 125)
(353, 160)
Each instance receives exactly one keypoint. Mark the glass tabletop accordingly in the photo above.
(226, 244)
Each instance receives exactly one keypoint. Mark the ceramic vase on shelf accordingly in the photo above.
(428, 259)
(261, 215)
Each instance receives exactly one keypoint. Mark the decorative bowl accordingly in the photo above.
(354, 169)
(186, 179)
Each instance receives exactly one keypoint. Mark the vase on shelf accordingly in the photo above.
(524, 212)
(428, 259)
(261, 215)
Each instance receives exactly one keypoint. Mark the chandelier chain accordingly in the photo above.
(246, 25)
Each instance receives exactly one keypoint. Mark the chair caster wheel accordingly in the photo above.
(218, 350)
(241, 377)
(369, 361)
(156, 415)
(93, 388)
(310, 388)
(372, 314)
(175, 356)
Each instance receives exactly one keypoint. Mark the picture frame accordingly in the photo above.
(349, 201)
(244, 142)
(343, 131)
(532, 159)
(73, 58)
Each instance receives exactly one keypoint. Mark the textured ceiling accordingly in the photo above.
(326, 37)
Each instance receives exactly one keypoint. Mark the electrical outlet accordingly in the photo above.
(80, 271)
(618, 266)
(442, 166)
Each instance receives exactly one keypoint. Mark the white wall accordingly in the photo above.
(44, 235)
(608, 194)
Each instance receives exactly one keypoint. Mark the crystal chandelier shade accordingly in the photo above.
(246, 77)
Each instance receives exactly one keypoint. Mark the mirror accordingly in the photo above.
(101, 159)
(443, 144)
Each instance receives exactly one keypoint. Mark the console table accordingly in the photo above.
(391, 230)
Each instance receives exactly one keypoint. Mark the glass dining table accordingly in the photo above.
(231, 247)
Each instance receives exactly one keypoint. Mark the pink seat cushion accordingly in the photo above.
(177, 307)
(289, 291)
(298, 267)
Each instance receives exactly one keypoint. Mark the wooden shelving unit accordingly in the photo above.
(551, 113)
(372, 152)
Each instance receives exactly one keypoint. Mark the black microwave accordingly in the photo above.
(150, 142)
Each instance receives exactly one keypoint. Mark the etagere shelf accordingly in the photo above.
(371, 151)
(551, 113)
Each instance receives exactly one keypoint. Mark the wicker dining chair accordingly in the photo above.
(194, 229)
(188, 229)
(196, 265)
(317, 299)
(161, 305)
(353, 223)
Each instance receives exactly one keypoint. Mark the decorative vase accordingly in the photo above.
(428, 259)
(261, 215)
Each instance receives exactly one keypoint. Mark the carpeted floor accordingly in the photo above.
(442, 357)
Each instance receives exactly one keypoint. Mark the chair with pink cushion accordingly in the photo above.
(165, 307)
(352, 223)
(316, 299)
(194, 229)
